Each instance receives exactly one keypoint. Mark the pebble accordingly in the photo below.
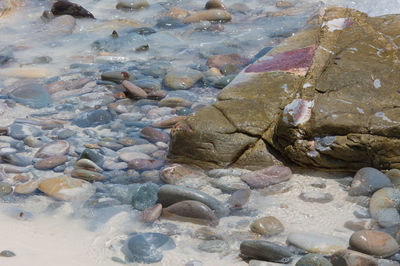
(111, 165)
(175, 173)
(384, 205)
(348, 257)
(182, 80)
(31, 95)
(151, 86)
(50, 162)
(21, 131)
(94, 156)
(15, 159)
(214, 4)
(146, 148)
(87, 175)
(134, 90)
(168, 123)
(239, 198)
(132, 4)
(267, 226)
(93, 118)
(130, 156)
(170, 194)
(210, 15)
(191, 211)
(394, 176)
(145, 164)
(7, 253)
(265, 250)
(66, 188)
(316, 196)
(28, 187)
(151, 213)
(55, 148)
(267, 176)
(367, 180)
(174, 102)
(218, 61)
(229, 184)
(147, 247)
(313, 260)
(117, 76)
(87, 164)
(316, 243)
(145, 197)
(373, 243)
(154, 135)
(67, 8)
(5, 189)
(214, 246)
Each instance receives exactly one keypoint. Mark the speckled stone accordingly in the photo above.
(267, 226)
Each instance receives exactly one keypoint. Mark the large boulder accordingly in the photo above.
(327, 97)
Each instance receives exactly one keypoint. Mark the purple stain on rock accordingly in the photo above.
(297, 61)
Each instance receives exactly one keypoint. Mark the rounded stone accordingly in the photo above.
(134, 90)
(153, 134)
(373, 243)
(210, 15)
(50, 162)
(21, 131)
(214, 4)
(214, 246)
(66, 188)
(267, 176)
(93, 118)
(267, 226)
(132, 4)
(367, 180)
(145, 197)
(352, 258)
(191, 211)
(7, 253)
(31, 95)
(383, 206)
(28, 187)
(152, 213)
(147, 247)
(265, 250)
(316, 196)
(317, 243)
(313, 260)
(55, 148)
(87, 175)
(239, 198)
(182, 80)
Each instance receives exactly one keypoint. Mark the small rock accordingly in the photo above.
(132, 4)
(373, 243)
(66, 188)
(210, 15)
(316, 196)
(93, 118)
(31, 95)
(267, 176)
(145, 197)
(67, 8)
(50, 162)
(191, 211)
(7, 253)
(15, 159)
(87, 175)
(87, 164)
(361, 225)
(130, 156)
(152, 213)
(316, 243)
(313, 260)
(267, 226)
(384, 205)
(265, 250)
(368, 180)
(117, 76)
(5, 189)
(214, 4)
(55, 148)
(214, 246)
(145, 164)
(154, 134)
(239, 198)
(182, 80)
(352, 258)
(147, 247)
(28, 187)
(134, 90)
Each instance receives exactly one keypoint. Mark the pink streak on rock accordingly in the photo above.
(348, 23)
(297, 61)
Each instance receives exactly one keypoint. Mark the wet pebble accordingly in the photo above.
(145, 197)
(214, 4)
(27, 187)
(132, 4)
(93, 118)
(55, 148)
(239, 198)
(31, 95)
(210, 15)
(373, 243)
(21, 131)
(218, 61)
(316, 196)
(313, 260)
(170, 194)
(132, 155)
(117, 76)
(147, 247)
(214, 246)
(67, 8)
(191, 211)
(134, 90)
(50, 162)
(384, 205)
(5, 189)
(267, 176)
(368, 180)
(229, 184)
(65, 188)
(151, 213)
(87, 175)
(265, 250)
(317, 243)
(153, 134)
(267, 226)
(182, 80)
(16, 159)
(7, 253)
(145, 164)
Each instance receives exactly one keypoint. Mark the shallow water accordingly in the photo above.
(52, 232)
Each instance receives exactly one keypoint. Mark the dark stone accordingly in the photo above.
(64, 7)
(265, 250)
(93, 118)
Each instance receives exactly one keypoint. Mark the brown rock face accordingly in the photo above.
(326, 98)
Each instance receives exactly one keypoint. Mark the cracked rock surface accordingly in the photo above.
(327, 97)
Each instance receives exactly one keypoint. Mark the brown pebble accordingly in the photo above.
(134, 91)
(152, 213)
(214, 4)
(50, 162)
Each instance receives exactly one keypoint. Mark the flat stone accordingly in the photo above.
(7, 253)
(66, 188)
(93, 118)
(316, 196)
(50, 162)
(132, 4)
(154, 135)
(317, 243)
(31, 95)
(265, 250)
(267, 176)
(182, 80)
(368, 180)
(313, 260)
(145, 197)
(373, 243)
(352, 258)
(130, 156)
(55, 148)
(191, 211)
(16, 159)
(147, 247)
(134, 90)
(267, 226)
(151, 213)
(170, 194)
(63, 7)
(117, 76)
(229, 184)
(87, 175)
(209, 15)
(21, 131)
(145, 164)
(214, 246)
